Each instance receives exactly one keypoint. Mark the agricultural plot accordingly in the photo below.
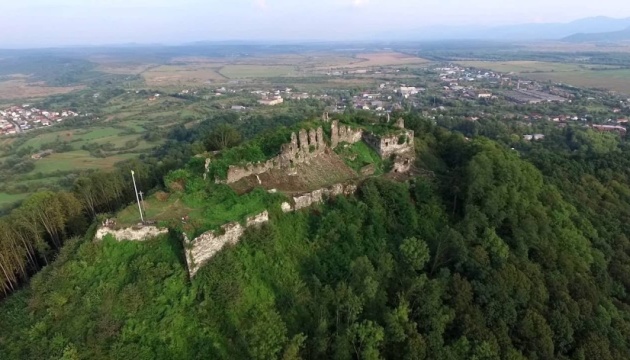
(616, 80)
(47, 138)
(256, 71)
(579, 75)
(182, 75)
(384, 59)
(76, 138)
(122, 68)
(20, 88)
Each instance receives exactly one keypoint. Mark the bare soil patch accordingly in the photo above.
(324, 170)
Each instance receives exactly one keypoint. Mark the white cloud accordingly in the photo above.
(261, 4)
(359, 3)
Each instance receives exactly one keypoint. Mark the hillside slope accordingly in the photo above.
(489, 260)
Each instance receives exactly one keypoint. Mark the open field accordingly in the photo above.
(616, 80)
(191, 71)
(46, 138)
(523, 67)
(384, 59)
(183, 75)
(256, 71)
(73, 136)
(19, 88)
(76, 161)
(122, 68)
(580, 75)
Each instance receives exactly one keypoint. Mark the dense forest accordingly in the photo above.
(493, 253)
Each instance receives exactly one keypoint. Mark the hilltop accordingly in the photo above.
(237, 188)
(499, 254)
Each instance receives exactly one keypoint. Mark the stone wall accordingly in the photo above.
(203, 248)
(318, 196)
(131, 234)
(389, 145)
(303, 147)
(403, 163)
(307, 144)
(343, 133)
(235, 173)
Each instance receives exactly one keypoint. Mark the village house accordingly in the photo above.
(407, 91)
(271, 102)
(610, 128)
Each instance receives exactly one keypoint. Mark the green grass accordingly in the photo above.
(49, 137)
(136, 125)
(76, 137)
(76, 161)
(359, 155)
(207, 209)
(169, 210)
(99, 133)
(617, 80)
(8, 199)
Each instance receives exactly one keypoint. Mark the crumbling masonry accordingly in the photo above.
(308, 144)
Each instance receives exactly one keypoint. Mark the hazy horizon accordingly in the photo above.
(58, 23)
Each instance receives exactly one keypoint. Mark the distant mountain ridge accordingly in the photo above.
(611, 36)
(523, 32)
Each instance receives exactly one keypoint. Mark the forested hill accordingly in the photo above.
(493, 254)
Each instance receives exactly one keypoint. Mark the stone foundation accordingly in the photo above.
(131, 234)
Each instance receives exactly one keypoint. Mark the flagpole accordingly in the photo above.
(137, 198)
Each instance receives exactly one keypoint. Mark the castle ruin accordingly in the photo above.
(308, 144)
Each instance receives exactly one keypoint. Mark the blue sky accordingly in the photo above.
(26, 23)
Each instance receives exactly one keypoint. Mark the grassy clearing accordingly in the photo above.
(99, 133)
(135, 125)
(76, 161)
(46, 138)
(359, 155)
(164, 211)
(207, 209)
(8, 199)
(76, 137)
